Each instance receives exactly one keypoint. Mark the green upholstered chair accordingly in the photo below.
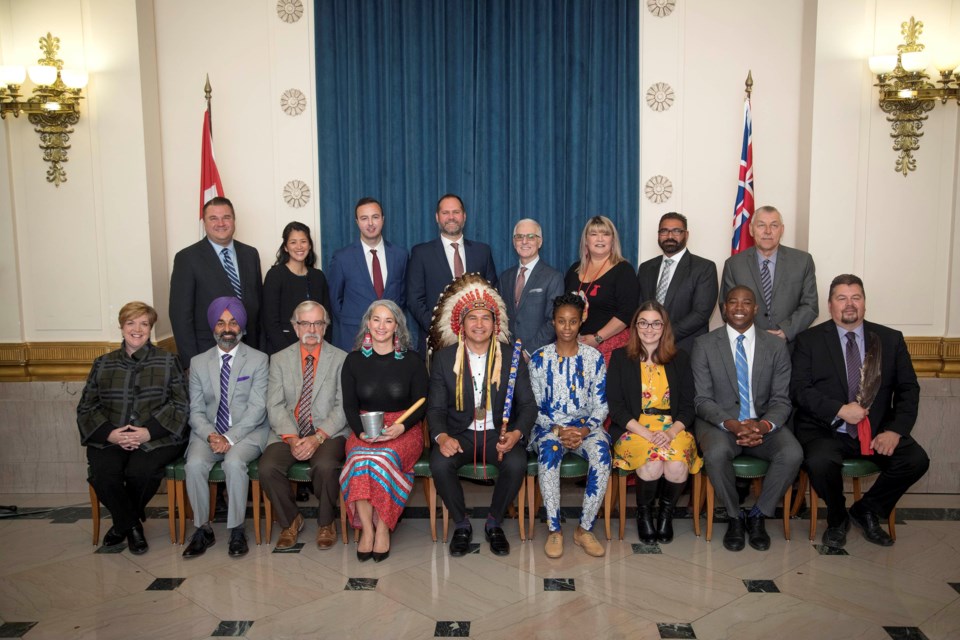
(298, 472)
(488, 472)
(743, 467)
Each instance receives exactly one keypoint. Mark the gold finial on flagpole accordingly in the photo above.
(207, 90)
(748, 85)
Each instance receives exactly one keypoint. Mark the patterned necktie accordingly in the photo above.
(223, 409)
(304, 419)
(743, 379)
(853, 376)
(457, 261)
(377, 275)
(518, 290)
(664, 280)
(766, 282)
(231, 272)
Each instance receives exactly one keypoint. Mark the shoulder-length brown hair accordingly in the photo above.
(666, 350)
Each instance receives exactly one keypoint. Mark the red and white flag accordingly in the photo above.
(743, 210)
(210, 184)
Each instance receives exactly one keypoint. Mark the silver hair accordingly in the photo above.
(307, 305)
(402, 332)
(531, 221)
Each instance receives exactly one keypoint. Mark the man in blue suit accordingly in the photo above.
(435, 263)
(368, 269)
(528, 289)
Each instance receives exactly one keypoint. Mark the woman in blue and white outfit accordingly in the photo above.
(569, 382)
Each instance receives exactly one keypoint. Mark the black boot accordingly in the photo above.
(669, 494)
(646, 492)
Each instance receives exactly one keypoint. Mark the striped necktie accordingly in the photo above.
(223, 409)
(304, 419)
(664, 283)
(766, 282)
(231, 272)
(743, 379)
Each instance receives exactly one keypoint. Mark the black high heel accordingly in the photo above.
(380, 557)
(363, 556)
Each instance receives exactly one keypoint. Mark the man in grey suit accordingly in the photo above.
(742, 378)
(783, 280)
(528, 289)
(685, 284)
(305, 410)
(228, 423)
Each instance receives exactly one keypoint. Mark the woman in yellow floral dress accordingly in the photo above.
(650, 394)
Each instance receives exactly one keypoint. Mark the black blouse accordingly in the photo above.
(614, 294)
(283, 290)
(383, 383)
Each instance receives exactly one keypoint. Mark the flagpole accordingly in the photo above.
(208, 93)
(748, 85)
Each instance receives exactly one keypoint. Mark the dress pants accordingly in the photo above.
(780, 448)
(824, 460)
(324, 475)
(512, 472)
(125, 481)
(200, 459)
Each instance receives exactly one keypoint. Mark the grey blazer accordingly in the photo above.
(794, 306)
(246, 395)
(286, 382)
(532, 321)
(690, 296)
(715, 378)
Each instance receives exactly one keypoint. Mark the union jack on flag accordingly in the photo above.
(742, 239)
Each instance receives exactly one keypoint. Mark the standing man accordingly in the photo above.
(528, 289)
(435, 263)
(214, 267)
(228, 423)
(366, 270)
(783, 280)
(742, 377)
(830, 363)
(305, 410)
(685, 284)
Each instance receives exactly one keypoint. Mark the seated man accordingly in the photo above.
(305, 410)
(742, 378)
(469, 380)
(228, 422)
(834, 365)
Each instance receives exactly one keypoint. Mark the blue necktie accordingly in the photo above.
(223, 409)
(231, 272)
(743, 379)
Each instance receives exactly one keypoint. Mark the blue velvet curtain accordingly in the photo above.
(525, 108)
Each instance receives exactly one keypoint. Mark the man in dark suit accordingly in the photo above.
(435, 263)
(528, 289)
(368, 269)
(783, 280)
(685, 284)
(826, 388)
(214, 267)
(742, 377)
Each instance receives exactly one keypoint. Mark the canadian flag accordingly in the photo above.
(210, 184)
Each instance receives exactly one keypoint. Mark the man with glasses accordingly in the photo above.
(685, 284)
(305, 411)
(528, 289)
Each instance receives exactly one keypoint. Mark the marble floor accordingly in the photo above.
(55, 584)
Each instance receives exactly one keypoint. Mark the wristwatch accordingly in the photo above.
(319, 437)
(598, 338)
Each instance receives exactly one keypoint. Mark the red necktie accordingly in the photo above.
(377, 275)
(518, 291)
(457, 261)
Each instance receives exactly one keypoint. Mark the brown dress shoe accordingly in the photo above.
(326, 536)
(288, 537)
(588, 542)
(554, 546)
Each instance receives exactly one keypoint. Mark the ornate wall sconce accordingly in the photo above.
(905, 93)
(53, 108)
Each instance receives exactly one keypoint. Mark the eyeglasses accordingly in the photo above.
(676, 233)
(518, 237)
(656, 324)
(312, 325)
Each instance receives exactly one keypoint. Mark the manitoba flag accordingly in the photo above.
(743, 210)
(210, 185)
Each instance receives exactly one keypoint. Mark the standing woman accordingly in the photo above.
(133, 421)
(382, 375)
(650, 392)
(569, 380)
(607, 283)
(290, 281)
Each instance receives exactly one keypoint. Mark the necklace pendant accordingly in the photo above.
(480, 414)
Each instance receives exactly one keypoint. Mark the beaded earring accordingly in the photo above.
(366, 347)
(397, 352)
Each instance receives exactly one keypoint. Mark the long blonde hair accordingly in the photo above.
(602, 222)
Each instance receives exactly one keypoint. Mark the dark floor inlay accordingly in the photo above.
(117, 548)
(451, 629)
(642, 548)
(955, 585)
(294, 549)
(361, 584)
(680, 630)
(15, 629)
(165, 584)
(761, 586)
(474, 547)
(559, 584)
(232, 628)
(830, 551)
(905, 633)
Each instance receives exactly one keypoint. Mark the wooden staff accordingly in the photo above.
(508, 401)
(409, 412)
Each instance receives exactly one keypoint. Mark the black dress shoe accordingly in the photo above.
(238, 543)
(136, 542)
(200, 541)
(113, 538)
(380, 557)
(460, 544)
(870, 524)
(836, 537)
(363, 556)
(734, 539)
(757, 533)
(498, 541)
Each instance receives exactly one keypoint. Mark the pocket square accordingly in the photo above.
(540, 290)
(242, 378)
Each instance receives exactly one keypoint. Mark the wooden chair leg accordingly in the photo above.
(172, 509)
(95, 515)
(622, 490)
(267, 518)
(695, 497)
(786, 514)
(802, 482)
(530, 486)
(814, 500)
(432, 507)
(892, 524)
(521, 500)
(184, 510)
(857, 493)
(255, 489)
(212, 489)
(756, 486)
(343, 518)
(607, 499)
(446, 521)
(710, 501)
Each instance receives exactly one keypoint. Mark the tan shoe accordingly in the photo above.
(326, 536)
(288, 537)
(554, 546)
(588, 542)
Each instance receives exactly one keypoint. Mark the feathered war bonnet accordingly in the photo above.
(469, 292)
